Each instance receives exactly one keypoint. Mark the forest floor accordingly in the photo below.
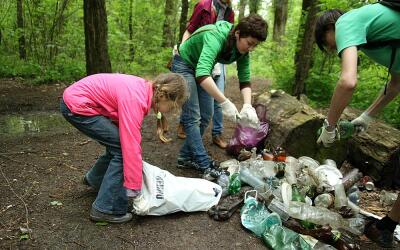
(43, 160)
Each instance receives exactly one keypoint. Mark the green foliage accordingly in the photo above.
(55, 46)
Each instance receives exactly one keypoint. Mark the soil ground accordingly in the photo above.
(40, 167)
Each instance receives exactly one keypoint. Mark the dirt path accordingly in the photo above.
(48, 166)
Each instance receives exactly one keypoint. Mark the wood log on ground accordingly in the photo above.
(294, 127)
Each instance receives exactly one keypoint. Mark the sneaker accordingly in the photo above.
(181, 131)
(213, 172)
(384, 238)
(96, 215)
(186, 163)
(219, 141)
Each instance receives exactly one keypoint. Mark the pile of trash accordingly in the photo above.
(296, 203)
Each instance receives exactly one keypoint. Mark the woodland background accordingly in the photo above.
(50, 41)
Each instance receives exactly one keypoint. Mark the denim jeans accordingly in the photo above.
(196, 115)
(106, 174)
(217, 120)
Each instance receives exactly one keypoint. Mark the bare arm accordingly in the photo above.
(211, 88)
(393, 89)
(345, 86)
(246, 93)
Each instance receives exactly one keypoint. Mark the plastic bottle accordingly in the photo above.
(278, 207)
(268, 169)
(330, 162)
(324, 200)
(353, 194)
(317, 215)
(340, 196)
(297, 196)
(387, 198)
(351, 178)
(280, 169)
(290, 174)
(346, 129)
(255, 216)
(223, 181)
(247, 177)
(234, 184)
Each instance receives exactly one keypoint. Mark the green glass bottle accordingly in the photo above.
(234, 184)
(346, 129)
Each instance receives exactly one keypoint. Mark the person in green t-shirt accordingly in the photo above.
(223, 43)
(346, 34)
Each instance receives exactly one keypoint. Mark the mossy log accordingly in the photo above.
(294, 127)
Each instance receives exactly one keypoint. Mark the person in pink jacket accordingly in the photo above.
(110, 109)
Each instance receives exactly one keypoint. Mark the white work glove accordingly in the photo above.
(361, 123)
(140, 206)
(229, 110)
(249, 116)
(327, 137)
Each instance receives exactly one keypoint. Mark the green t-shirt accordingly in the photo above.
(204, 47)
(373, 22)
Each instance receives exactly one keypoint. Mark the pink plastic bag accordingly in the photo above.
(248, 137)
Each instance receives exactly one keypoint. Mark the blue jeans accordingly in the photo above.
(196, 115)
(106, 174)
(217, 119)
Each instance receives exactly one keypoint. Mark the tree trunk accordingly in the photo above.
(95, 23)
(169, 27)
(254, 6)
(21, 32)
(183, 19)
(242, 8)
(130, 28)
(281, 11)
(304, 52)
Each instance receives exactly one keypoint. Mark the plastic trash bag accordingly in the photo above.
(166, 193)
(247, 137)
(255, 216)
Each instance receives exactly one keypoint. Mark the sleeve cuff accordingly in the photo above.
(244, 85)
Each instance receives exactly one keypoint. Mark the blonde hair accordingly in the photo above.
(172, 87)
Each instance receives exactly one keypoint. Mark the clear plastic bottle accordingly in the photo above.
(340, 196)
(223, 181)
(387, 198)
(351, 178)
(353, 194)
(278, 207)
(317, 215)
(247, 177)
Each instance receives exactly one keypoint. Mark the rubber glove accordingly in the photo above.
(327, 137)
(361, 123)
(229, 110)
(249, 116)
(140, 205)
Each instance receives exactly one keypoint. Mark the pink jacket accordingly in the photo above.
(126, 99)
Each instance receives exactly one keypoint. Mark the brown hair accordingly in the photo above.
(171, 86)
(325, 22)
(253, 25)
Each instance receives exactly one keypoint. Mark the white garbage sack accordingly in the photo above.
(165, 193)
